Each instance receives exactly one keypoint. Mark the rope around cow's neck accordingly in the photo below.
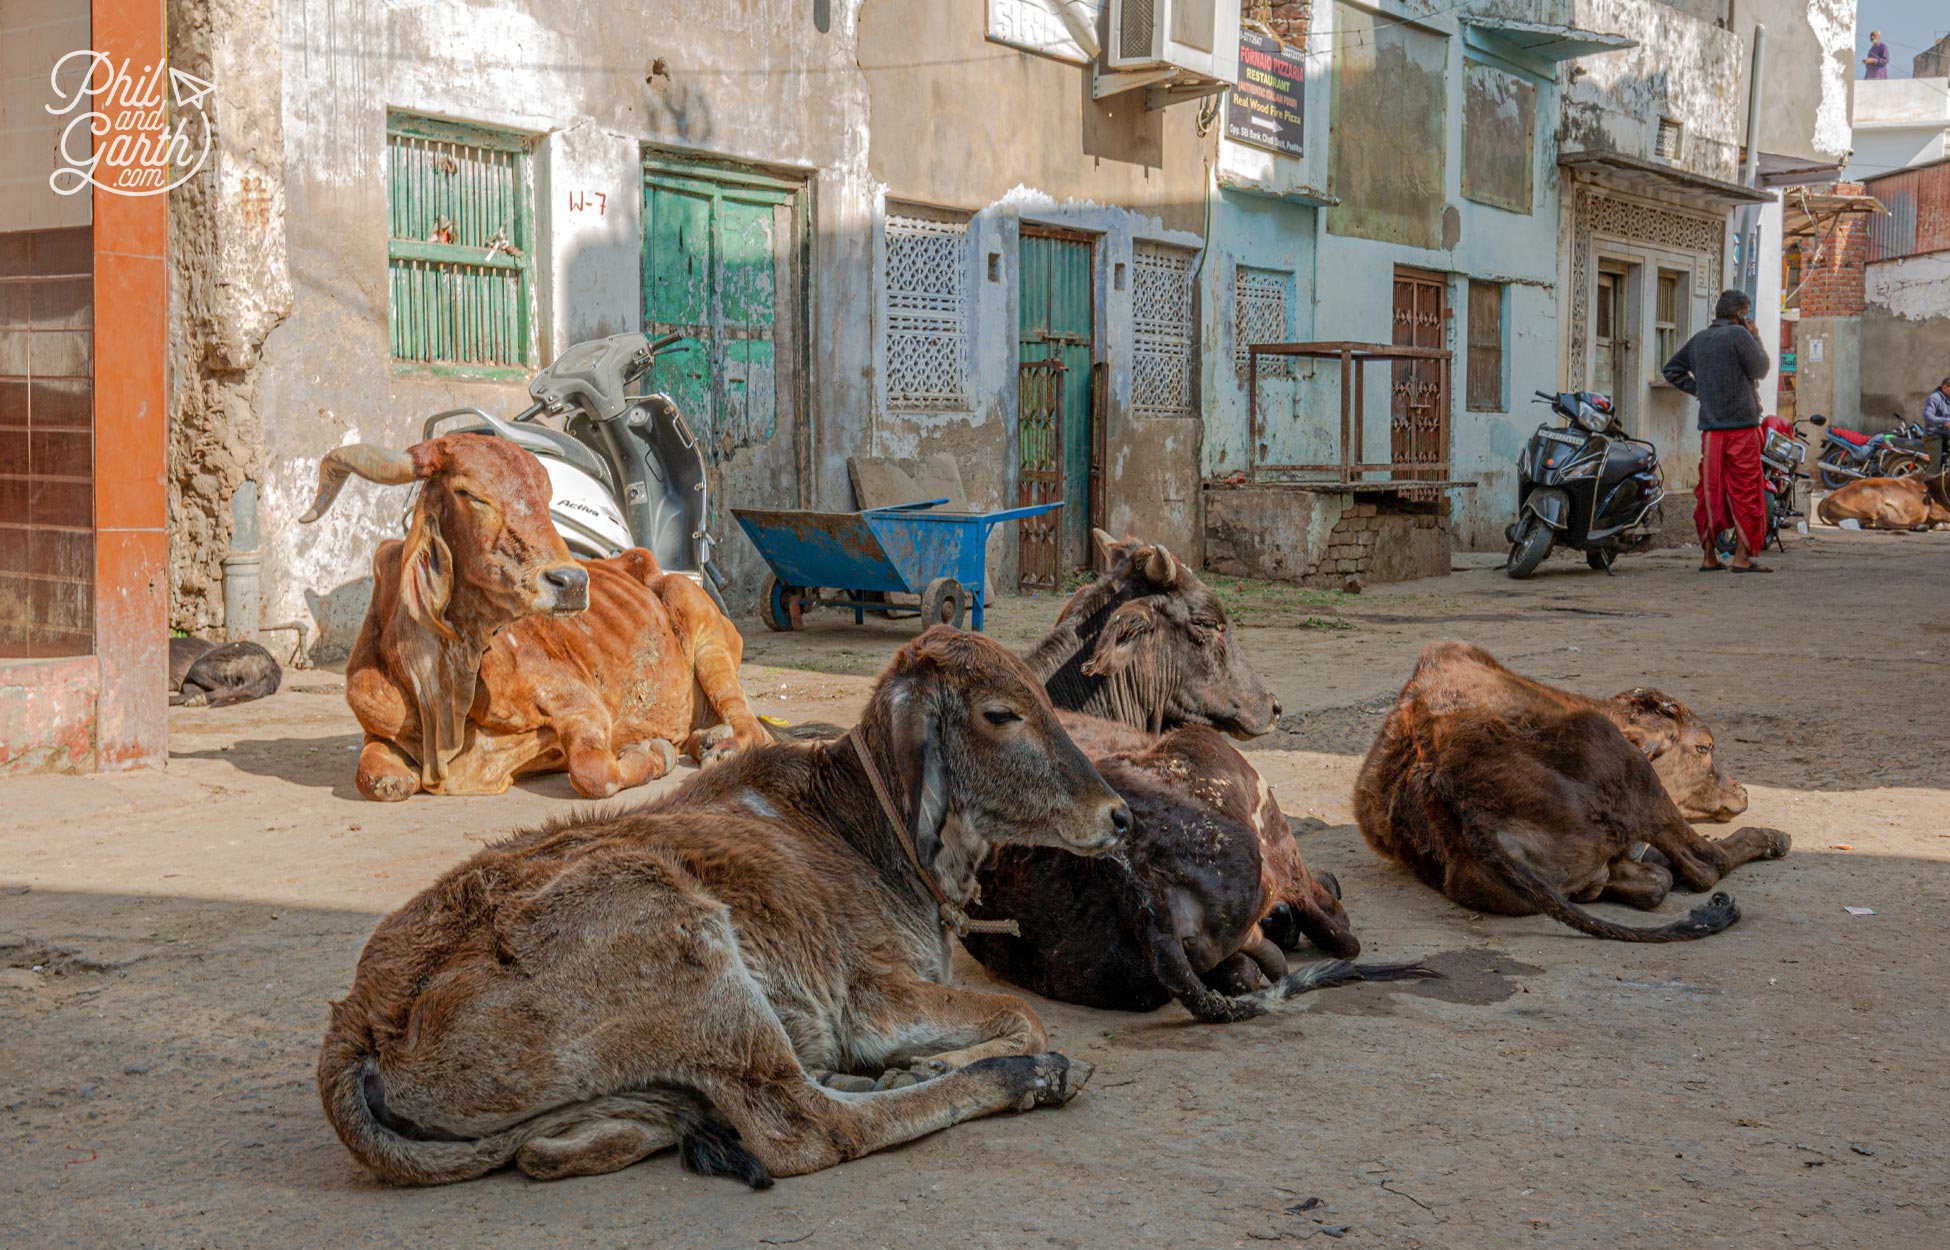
(952, 916)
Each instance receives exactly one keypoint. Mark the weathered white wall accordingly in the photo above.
(749, 82)
(1682, 68)
(1914, 288)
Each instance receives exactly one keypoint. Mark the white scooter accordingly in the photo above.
(624, 470)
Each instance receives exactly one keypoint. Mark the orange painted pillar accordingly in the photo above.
(131, 432)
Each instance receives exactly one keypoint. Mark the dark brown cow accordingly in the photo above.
(1177, 913)
(1513, 797)
(1149, 641)
(209, 674)
(687, 973)
(488, 653)
(1890, 503)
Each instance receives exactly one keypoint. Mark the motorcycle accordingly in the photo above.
(624, 470)
(1848, 455)
(1781, 455)
(1586, 485)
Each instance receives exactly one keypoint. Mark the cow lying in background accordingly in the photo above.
(1890, 503)
(209, 674)
(1513, 797)
(1211, 888)
(488, 653)
(580, 996)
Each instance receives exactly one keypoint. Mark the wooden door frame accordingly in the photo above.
(1445, 379)
(1095, 433)
(802, 187)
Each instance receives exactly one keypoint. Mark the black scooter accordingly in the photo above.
(1586, 485)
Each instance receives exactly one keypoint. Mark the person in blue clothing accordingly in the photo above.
(1936, 426)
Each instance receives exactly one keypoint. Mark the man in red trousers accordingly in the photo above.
(1720, 367)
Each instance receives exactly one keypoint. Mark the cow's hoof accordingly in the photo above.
(1775, 841)
(1061, 1078)
(845, 1082)
(389, 789)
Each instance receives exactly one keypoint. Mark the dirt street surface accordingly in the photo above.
(169, 940)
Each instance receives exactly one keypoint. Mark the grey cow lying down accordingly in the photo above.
(751, 969)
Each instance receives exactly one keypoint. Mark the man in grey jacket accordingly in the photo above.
(1720, 366)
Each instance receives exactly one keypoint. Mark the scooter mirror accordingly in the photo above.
(1817, 419)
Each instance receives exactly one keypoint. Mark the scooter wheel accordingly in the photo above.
(1534, 539)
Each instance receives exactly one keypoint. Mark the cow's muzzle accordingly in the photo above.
(1108, 835)
(564, 590)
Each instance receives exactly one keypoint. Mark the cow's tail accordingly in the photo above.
(1715, 915)
(350, 1085)
(1173, 969)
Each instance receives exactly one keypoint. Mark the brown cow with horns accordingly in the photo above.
(489, 653)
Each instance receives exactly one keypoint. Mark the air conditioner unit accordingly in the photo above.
(1176, 49)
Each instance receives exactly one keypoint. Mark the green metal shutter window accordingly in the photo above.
(460, 237)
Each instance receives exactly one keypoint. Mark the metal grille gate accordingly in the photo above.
(1039, 471)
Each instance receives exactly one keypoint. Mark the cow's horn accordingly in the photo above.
(375, 464)
(1159, 568)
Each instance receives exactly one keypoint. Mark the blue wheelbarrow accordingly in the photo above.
(856, 559)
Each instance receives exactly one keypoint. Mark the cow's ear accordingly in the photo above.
(426, 575)
(1651, 742)
(1117, 645)
(923, 764)
(1651, 702)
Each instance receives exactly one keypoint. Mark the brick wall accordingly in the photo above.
(1289, 20)
(1833, 288)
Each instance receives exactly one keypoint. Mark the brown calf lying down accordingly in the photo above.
(1890, 503)
(1515, 798)
(488, 653)
(1146, 644)
(1176, 913)
(696, 971)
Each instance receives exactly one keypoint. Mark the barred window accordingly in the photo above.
(460, 205)
(1261, 298)
(925, 285)
(1161, 304)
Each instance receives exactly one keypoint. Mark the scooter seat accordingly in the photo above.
(1623, 459)
(1848, 436)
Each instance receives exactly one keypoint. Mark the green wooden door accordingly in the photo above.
(1058, 320)
(711, 257)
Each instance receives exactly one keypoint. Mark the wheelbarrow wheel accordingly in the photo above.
(775, 604)
(944, 602)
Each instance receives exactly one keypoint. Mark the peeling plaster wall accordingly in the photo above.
(1682, 68)
(1905, 334)
(1809, 75)
(1009, 136)
(230, 286)
(753, 82)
